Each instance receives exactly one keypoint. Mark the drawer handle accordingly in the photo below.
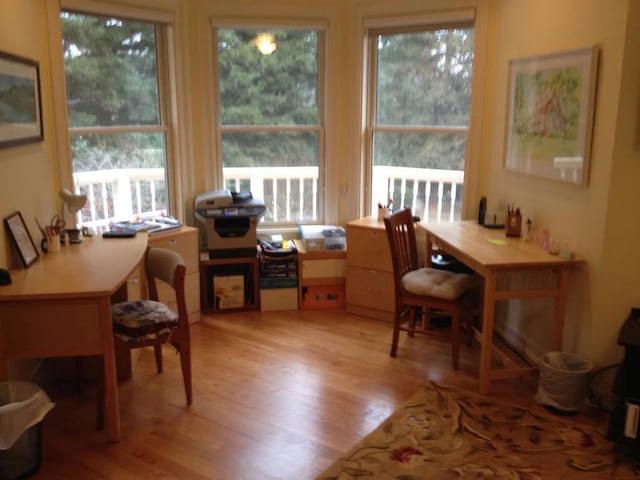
(172, 241)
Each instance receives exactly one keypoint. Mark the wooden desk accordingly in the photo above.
(515, 269)
(61, 306)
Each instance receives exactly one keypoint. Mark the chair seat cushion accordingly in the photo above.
(437, 283)
(142, 319)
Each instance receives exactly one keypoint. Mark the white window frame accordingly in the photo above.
(374, 25)
(168, 81)
(219, 129)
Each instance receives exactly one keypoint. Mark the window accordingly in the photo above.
(270, 118)
(117, 121)
(419, 90)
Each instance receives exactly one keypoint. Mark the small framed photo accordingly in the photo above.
(21, 111)
(21, 237)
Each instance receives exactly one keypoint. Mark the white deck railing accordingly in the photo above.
(434, 195)
(290, 193)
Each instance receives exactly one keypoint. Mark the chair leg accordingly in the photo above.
(100, 394)
(412, 321)
(185, 362)
(455, 340)
(396, 334)
(157, 350)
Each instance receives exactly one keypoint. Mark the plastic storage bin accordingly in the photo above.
(23, 406)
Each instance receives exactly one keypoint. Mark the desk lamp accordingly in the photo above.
(74, 203)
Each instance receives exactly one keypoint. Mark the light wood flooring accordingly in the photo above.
(277, 395)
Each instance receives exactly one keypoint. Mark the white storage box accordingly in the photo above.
(273, 299)
(229, 291)
(322, 237)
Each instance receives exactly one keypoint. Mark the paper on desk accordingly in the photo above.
(497, 241)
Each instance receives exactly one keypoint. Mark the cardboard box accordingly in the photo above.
(322, 296)
(228, 291)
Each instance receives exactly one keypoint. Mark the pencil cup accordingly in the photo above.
(514, 225)
(382, 212)
(53, 243)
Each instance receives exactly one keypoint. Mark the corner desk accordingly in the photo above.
(61, 306)
(511, 268)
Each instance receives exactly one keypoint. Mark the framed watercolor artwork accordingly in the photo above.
(550, 115)
(20, 106)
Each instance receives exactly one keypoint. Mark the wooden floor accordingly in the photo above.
(277, 395)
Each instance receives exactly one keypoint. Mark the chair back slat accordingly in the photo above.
(402, 242)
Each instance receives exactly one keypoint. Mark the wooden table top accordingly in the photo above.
(481, 247)
(95, 267)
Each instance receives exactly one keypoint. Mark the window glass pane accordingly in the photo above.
(280, 168)
(279, 88)
(422, 171)
(270, 149)
(424, 78)
(424, 150)
(110, 71)
(123, 175)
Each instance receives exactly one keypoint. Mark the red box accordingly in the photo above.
(322, 296)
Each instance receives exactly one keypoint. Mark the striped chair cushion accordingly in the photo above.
(437, 283)
(140, 320)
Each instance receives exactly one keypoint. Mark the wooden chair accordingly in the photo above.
(143, 323)
(428, 290)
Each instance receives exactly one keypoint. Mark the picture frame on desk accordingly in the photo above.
(21, 238)
(550, 115)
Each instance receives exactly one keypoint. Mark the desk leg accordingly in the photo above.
(428, 251)
(111, 403)
(486, 347)
(559, 310)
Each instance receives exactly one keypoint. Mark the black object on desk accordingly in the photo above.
(119, 234)
(5, 277)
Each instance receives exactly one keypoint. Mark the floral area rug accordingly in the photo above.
(445, 434)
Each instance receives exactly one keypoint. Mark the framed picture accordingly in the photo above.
(19, 232)
(20, 107)
(551, 104)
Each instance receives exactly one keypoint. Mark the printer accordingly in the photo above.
(229, 221)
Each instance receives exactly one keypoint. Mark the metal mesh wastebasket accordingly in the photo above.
(564, 379)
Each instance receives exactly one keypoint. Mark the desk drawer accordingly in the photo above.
(370, 288)
(368, 248)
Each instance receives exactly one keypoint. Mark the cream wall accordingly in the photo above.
(585, 217)
(619, 287)
(29, 179)
(594, 219)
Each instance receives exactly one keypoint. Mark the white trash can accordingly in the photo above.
(564, 379)
(23, 406)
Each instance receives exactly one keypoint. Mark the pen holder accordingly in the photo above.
(50, 244)
(513, 226)
(382, 213)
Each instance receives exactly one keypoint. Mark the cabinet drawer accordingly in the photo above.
(183, 242)
(369, 248)
(370, 288)
(191, 291)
